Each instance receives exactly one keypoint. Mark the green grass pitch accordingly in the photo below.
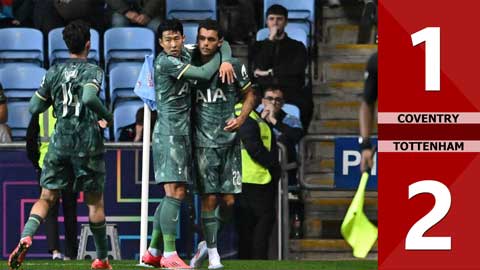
(229, 264)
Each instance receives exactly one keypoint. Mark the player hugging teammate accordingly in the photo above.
(215, 91)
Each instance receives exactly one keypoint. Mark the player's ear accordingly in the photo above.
(87, 45)
(160, 42)
(220, 42)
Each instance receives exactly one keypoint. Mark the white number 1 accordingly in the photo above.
(431, 36)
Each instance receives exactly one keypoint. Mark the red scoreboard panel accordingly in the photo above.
(429, 134)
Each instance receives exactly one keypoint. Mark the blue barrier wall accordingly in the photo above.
(347, 164)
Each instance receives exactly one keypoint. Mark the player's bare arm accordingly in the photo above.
(248, 104)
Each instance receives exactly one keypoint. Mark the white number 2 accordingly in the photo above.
(415, 239)
(431, 36)
(237, 178)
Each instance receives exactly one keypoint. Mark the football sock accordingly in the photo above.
(99, 231)
(210, 226)
(169, 216)
(32, 225)
(157, 241)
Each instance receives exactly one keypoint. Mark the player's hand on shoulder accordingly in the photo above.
(227, 73)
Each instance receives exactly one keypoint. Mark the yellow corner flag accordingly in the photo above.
(357, 230)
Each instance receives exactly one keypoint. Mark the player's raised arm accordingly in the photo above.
(204, 72)
(226, 51)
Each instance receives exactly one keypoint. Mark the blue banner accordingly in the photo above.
(347, 164)
(19, 189)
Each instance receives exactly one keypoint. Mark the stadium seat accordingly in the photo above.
(191, 9)
(21, 81)
(291, 109)
(293, 31)
(18, 119)
(123, 44)
(122, 81)
(58, 51)
(190, 31)
(301, 13)
(101, 94)
(21, 45)
(124, 115)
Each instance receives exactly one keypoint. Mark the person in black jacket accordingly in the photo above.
(280, 60)
(69, 201)
(256, 204)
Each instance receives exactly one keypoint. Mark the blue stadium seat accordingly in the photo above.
(124, 115)
(21, 81)
(123, 44)
(291, 109)
(191, 9)
(18, 119)
(300, 12)
(101, 95)
(21, 45)
(122, 81)
(58, 51)
(293, 31)
(190, 31)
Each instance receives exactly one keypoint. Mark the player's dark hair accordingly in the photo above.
(173, 25)
(210, 24)
(76, 34)
(277, 10)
